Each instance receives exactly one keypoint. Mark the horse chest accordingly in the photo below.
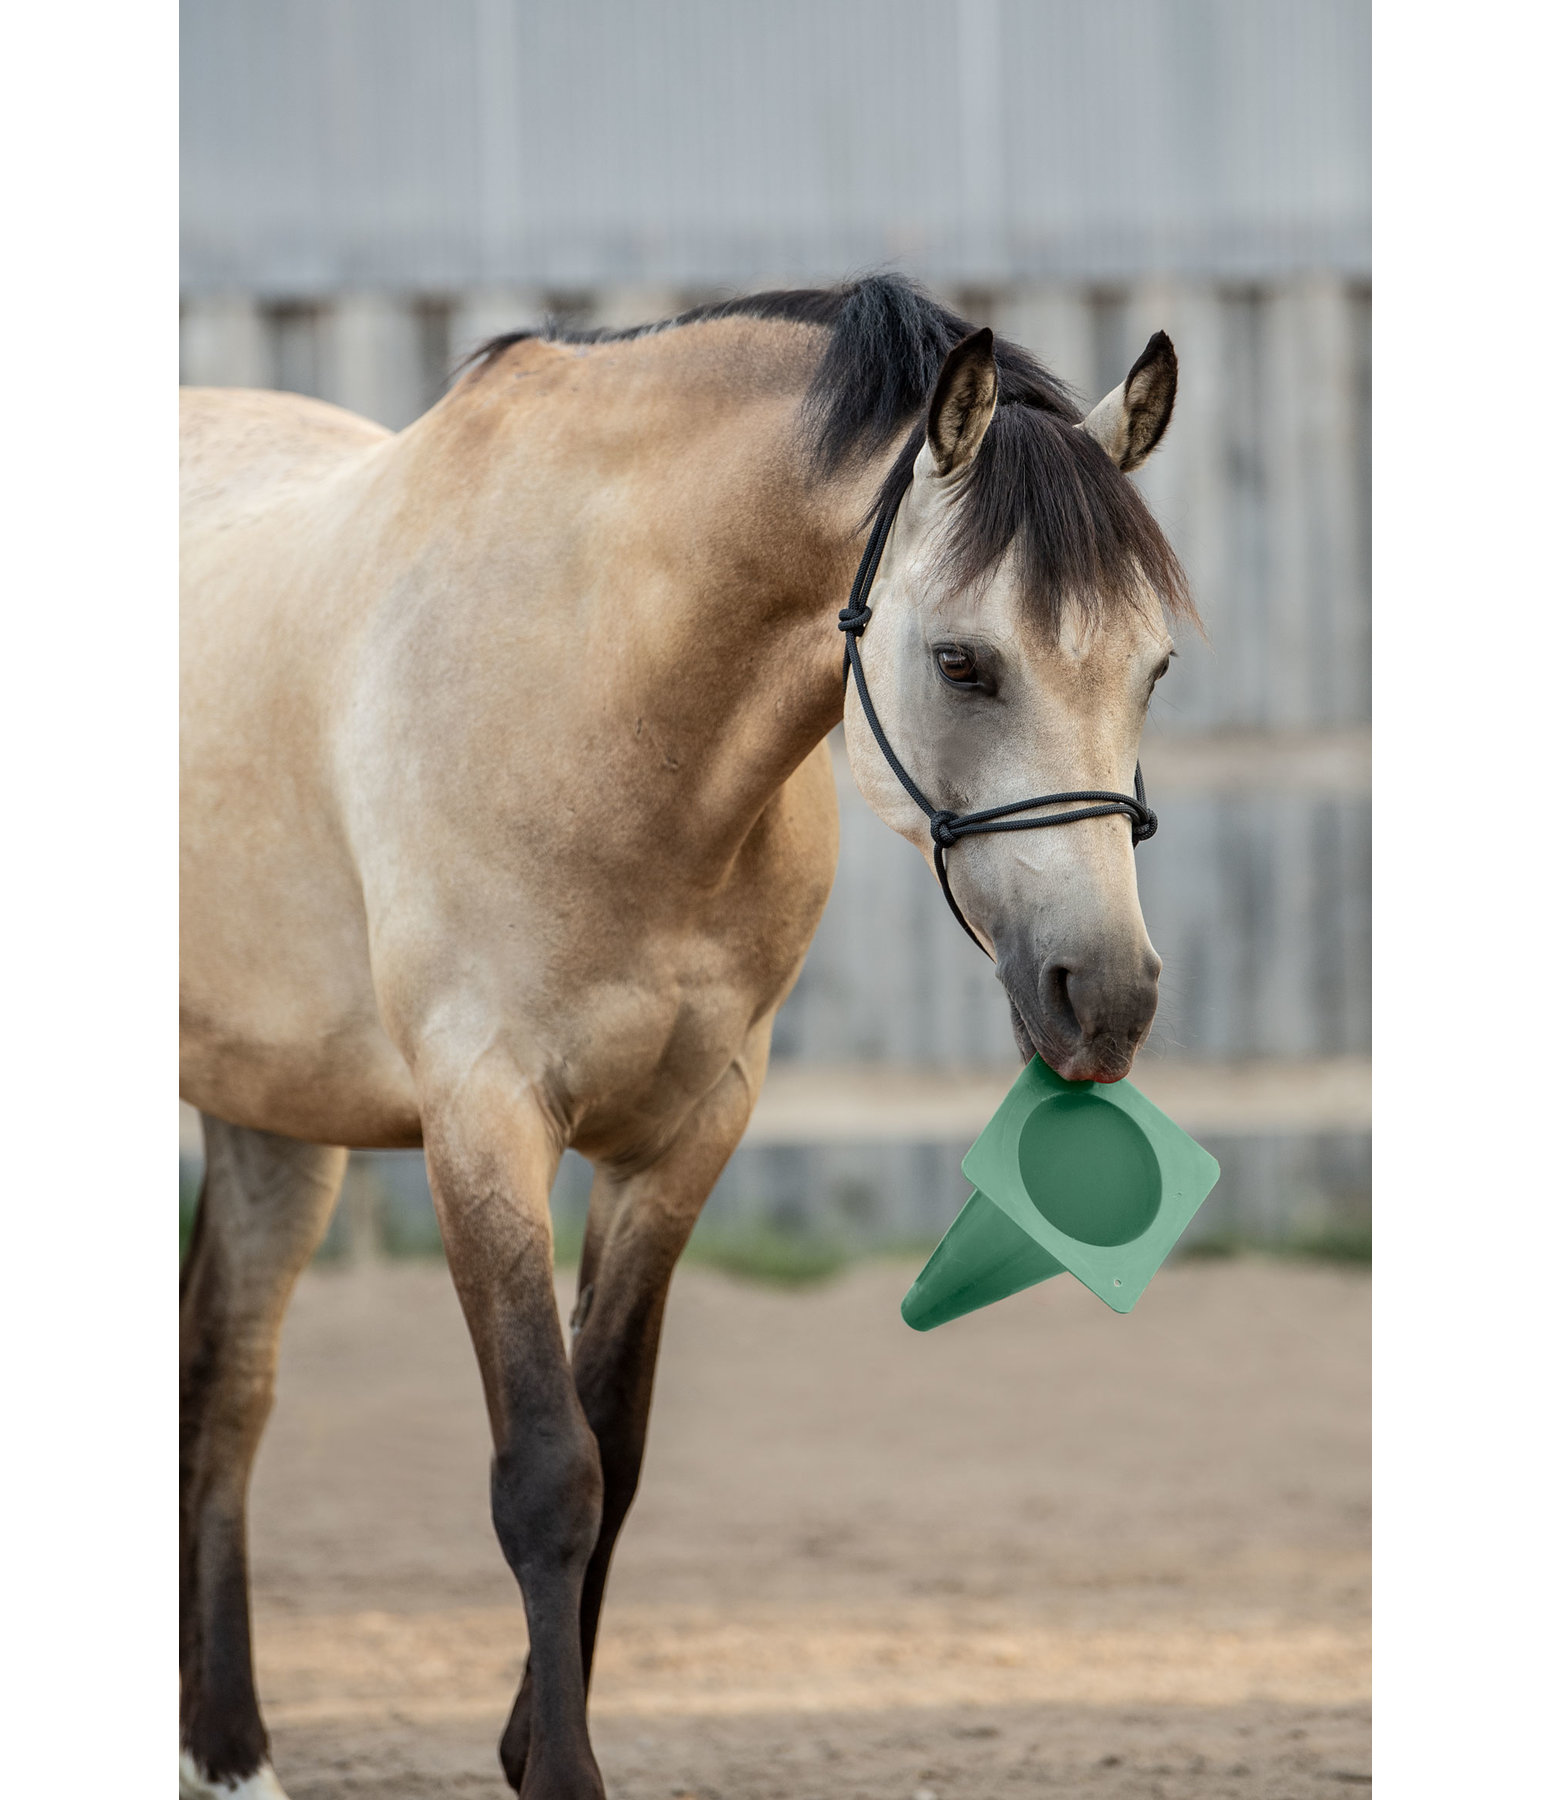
(667, 1018)
(649, 1029)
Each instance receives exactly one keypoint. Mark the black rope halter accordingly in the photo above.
(946, 826)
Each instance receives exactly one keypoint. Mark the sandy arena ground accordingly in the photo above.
(1043, 1550)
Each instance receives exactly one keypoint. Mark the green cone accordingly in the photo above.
(1068, 1175)
(984, 1257)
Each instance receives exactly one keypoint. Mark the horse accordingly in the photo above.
(508, 817)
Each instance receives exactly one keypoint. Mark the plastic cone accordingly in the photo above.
(1068, 1176)
(983, 1257)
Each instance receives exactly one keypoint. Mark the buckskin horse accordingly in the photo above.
(508, 817)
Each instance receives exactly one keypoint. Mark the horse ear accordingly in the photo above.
(1130, 421)
(964, 401)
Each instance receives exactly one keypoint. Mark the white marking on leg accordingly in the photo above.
(193, 1784)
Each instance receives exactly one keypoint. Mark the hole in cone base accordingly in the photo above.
(1089, 1169)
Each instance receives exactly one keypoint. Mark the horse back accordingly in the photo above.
(241, 446)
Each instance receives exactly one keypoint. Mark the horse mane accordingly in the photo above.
(1039, 487)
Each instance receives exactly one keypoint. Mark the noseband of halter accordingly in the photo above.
(946, 826)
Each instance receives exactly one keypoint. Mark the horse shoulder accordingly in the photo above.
(790, 863)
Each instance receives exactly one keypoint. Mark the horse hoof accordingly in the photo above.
(195, 1785)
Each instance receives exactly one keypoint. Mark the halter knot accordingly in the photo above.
(942, 831)
(855, 618)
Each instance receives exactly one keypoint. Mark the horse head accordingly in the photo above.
(1022, 607)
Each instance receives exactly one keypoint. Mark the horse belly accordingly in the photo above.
(284, 1036)
(279, 1020)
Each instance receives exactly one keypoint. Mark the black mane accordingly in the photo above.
(1039, 487)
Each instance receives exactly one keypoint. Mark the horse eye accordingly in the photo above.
(958, 666)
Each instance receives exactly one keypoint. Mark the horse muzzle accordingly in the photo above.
(1087, 1015)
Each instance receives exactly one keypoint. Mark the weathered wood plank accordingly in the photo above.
(372, 358)
(224, 343)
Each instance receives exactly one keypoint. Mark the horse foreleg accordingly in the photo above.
(637, 1226)
(492, 1156)
(264, 1209)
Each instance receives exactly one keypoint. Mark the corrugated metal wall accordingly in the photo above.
(369, 188)
(398, 144)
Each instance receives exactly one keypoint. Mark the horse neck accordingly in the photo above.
(736, 664)
(745, 656)
(708, 568)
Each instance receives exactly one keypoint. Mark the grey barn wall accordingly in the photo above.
(395, 144)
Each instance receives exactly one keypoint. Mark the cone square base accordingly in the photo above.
(1068, 1175)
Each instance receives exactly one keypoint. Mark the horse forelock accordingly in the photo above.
(1040, 490)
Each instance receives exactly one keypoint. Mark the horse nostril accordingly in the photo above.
(1101, 1003)
(1058, 1006)
(1090, 1016)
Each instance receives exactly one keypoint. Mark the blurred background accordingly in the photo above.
(370, 187)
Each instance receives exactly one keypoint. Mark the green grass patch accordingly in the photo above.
(411, 1236)
(569, 1235)
(774, 1258)
(1348, 1244)
(1215, 1248)
(1333, 1243)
